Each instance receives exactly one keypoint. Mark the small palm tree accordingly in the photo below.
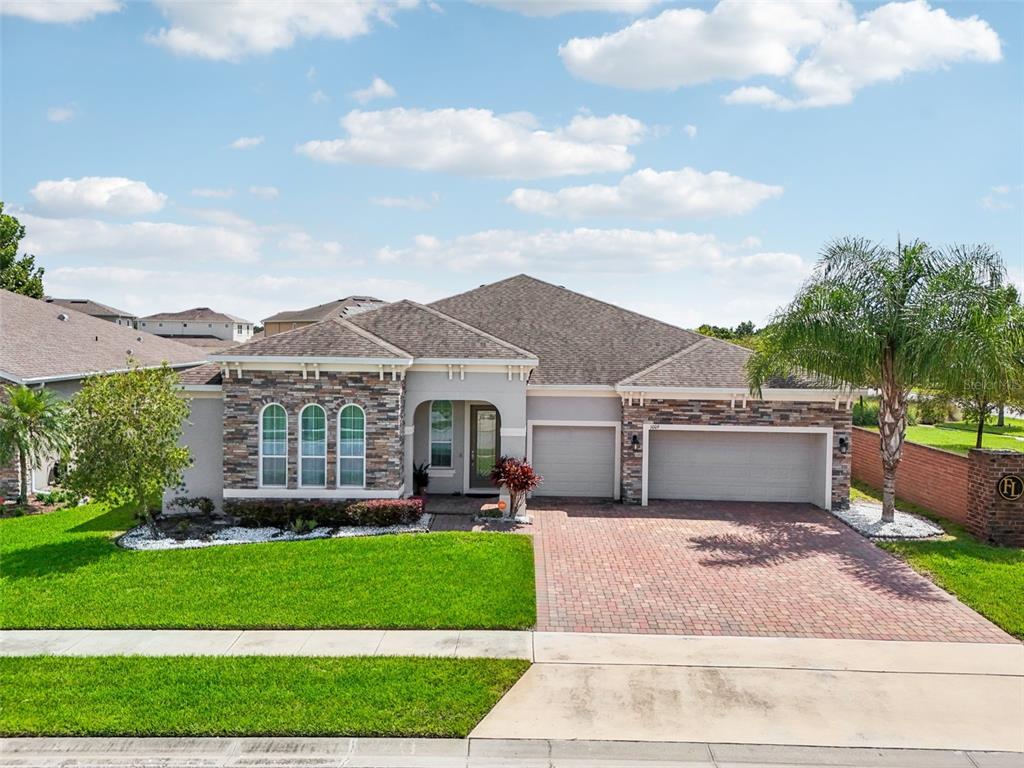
(32, 426)
(893, 320)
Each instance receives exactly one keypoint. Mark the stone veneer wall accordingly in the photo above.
(381, 400)
(721, 412)
(990, 517)
(10, 483)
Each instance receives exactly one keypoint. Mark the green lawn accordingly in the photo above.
(259, 695)
(989, 579)
(960, 436)
(63, 570)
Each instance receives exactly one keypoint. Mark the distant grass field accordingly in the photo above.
(960, 437)
(63, 570)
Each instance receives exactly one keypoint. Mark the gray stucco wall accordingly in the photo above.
(539, 407)
(203, 433)
(421, 447)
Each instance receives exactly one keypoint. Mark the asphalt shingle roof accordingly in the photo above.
(579, 340)
(335, 308)
(207, 373)
(336, 337)
(90, 307)
(708, 363)
(428, 333)
(36, 344)
(196, 314)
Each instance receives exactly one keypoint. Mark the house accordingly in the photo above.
(605, 403)
(95, 309)
(46, 344)
(198, 323)
(292, 319)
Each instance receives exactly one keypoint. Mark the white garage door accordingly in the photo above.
(575, 461)
(737, 466)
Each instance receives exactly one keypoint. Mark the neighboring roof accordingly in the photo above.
(202, 375)
(428, 333)
(196, 315)
(209, 343)
(90, 307)
(336, 337)
(579, 340)
(339, 307)
(35, 344)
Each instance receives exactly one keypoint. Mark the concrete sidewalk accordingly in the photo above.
(463, 753)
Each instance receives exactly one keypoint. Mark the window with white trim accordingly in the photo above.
(313, 447)
(274, 446)
(441, 434)
(352, 447)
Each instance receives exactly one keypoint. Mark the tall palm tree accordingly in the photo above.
(32, 425)
(889, 319)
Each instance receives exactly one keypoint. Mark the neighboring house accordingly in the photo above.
(292, 319)
(605, 402)
(95, 309)
(48, 345)
(198, 323)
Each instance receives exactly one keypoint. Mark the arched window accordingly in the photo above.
(313, 446)
(352, 447)
(441, 434)
(273, 446)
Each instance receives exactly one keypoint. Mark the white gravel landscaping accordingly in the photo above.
(865, 517)
(141, 538)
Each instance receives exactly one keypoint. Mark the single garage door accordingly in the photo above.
(575, 461)
(737, 466)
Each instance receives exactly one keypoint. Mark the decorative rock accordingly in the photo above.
(865, 517)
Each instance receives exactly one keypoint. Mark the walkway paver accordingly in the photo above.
(732, 568)
(464, 753)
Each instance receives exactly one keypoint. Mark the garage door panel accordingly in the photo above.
(736, 466)
(575, 461)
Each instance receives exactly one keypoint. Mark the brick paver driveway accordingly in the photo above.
(730, 568)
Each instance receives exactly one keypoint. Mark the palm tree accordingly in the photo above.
(892, 320)
(32, 425)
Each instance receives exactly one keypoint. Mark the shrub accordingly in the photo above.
(386, 511)
(935, 409)
(332, 513)
(201, 504)
(58, 496)
(865, 414)
(517, 477)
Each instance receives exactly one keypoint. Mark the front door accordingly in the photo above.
(484, 444)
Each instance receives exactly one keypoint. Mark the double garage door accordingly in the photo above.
(737, 466)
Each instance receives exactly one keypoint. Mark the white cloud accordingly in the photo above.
(825, 51)
(58, 11)
(232, 29)
(265, 193)
(594, 251)
(477, 142)
(651, 194)
(97, 194)
(378, 89)
(90, 240)
(311, 73)
(613, 129)
(411, 203)
(558, 7)
(999, 198)
(246, 142)
(319, 97)
(61, 114)
(690, 130)
(209, 192)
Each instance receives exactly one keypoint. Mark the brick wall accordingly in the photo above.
(381, 400)
(990, 517)
(933, 478)
(721, 412)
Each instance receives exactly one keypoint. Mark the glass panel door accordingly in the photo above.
(485, 444)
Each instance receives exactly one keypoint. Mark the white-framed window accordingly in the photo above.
(441, 421)
(352, 447)
(273, 446)
(313, 447)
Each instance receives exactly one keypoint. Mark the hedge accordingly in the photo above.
(333, 513)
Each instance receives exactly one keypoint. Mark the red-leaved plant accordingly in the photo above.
(518, 478)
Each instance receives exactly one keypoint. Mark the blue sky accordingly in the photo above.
(684, 160)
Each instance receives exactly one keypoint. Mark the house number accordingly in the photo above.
(1010, 487)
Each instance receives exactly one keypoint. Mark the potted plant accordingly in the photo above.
(420, 478)
(518, 478)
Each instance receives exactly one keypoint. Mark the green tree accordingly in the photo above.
(884, 318)
(17, 274)
(125, 429)
(985, 366)
(33, 427)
